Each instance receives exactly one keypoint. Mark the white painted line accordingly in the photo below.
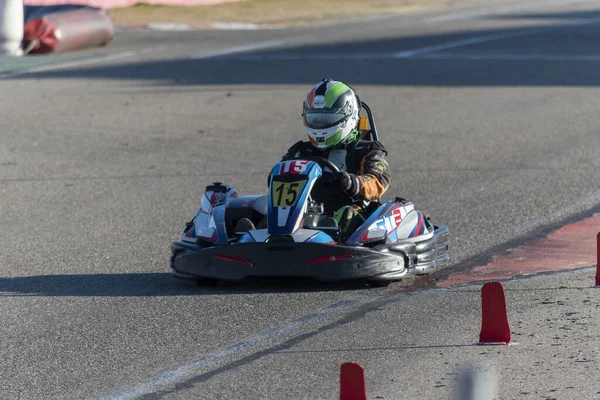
(194, 368)
(519, 6)
(317, 57)
(418, 52)
(509, 57)
(434, 56)
(235, 25)
(168, 26)
(464, 42)
(490, 38)
(254, 46)
(238, 49)
(79, 62)
(74, 63)
(180, 27)
(126, 54)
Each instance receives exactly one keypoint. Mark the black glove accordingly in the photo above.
(344, 182)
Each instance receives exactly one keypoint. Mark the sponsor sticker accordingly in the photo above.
(319, 101)
(293, 167)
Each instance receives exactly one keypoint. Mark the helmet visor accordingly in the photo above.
(317, 118)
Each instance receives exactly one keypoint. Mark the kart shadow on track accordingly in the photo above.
(153, 284)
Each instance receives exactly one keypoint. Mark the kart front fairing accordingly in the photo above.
(394, 242)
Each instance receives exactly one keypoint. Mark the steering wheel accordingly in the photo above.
(323, 162)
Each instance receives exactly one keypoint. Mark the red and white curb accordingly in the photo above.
(177, 27)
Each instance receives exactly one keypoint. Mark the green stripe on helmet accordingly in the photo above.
(334, 139)
(352, 136)
(334, 92)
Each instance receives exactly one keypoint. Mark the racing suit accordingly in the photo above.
(367, 179)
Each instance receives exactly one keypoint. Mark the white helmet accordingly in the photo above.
(330, 113)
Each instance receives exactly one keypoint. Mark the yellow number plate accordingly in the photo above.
(286, 194)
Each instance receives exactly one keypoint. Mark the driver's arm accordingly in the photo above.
(374, 178)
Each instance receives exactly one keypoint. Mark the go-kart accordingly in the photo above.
(287, 234)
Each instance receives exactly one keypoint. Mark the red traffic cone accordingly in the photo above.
(494, 317)
(598, 259)
(352, 382)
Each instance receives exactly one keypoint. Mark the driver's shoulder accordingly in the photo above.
(301, 146)
(367, 146)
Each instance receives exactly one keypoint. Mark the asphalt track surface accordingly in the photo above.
(491, 122)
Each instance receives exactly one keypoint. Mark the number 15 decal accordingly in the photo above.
(293, 167)
(285, 194)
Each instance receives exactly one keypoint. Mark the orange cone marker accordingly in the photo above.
(352, 382)
(494, 317)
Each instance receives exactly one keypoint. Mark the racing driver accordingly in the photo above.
(331, 120)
